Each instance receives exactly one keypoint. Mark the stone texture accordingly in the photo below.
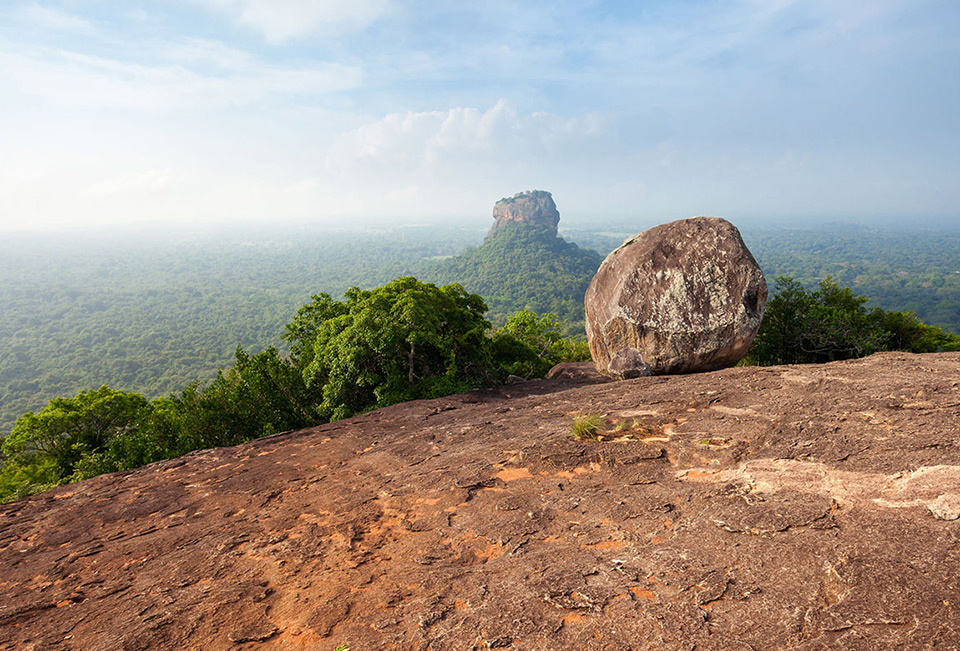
(792, 507)
(533, 208)
(574, 371)
(946, 507)
(679, 298)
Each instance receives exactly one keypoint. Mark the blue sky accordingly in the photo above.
(193, 111)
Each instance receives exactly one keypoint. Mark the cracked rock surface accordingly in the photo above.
(792, 507)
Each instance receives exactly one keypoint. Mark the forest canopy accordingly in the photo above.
(525, 267)
(154, 313)
(403, 341)
(830, 323)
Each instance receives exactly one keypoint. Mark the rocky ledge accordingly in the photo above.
(797, 507)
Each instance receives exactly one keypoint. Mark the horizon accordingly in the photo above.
(214, 113)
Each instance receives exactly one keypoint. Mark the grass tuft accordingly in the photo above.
(586, 426)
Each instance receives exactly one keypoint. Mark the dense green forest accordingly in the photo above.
(524, 267)
(829, 323)
(403, 341)
(152, 313)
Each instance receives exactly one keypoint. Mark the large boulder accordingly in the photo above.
(679, 298)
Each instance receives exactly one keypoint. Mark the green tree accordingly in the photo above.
(909, 333)
(61, 434)
(259, 395)
(529, 344)
(301, 333)
(831, 323)
(838, 326)
(402, 341)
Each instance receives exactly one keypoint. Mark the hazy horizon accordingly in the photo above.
(158, 232)
(198, 113)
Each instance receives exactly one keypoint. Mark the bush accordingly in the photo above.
(832, 323)
(528, 345)
(399, 342)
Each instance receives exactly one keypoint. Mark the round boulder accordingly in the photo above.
(679, 298)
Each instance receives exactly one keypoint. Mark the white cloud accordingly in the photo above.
(54, 19)
(178, 81)
(450, 162)
(435, 139)
(283, 20)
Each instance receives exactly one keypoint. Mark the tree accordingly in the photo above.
(838, 326)
(529, 344)
(68, 429)
(301, 333)
(402, 341)
(909, 333)
(259, 395)
(831, 323)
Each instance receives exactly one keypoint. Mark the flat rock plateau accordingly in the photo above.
(791, 507)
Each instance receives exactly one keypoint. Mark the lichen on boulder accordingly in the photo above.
(682, 297)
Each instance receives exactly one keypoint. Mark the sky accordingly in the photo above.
(340, 112)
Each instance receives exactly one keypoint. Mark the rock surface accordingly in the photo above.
(795, 507)
(679, 298)
(533, 208)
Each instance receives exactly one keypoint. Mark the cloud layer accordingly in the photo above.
(298, 109)
(283, 20)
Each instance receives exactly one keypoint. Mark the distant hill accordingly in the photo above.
(523, 263)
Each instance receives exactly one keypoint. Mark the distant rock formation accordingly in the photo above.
(523, 263)
(533, 208)
(679, 298)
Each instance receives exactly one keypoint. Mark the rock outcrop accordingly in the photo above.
(795, 507)
(523, 241)
(679, 298)
(533, 208)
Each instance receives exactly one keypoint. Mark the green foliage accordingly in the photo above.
(70, 429)
(917, 271)
(529, 344)
(301, 333)
(106, 430)
(19, 478)
(525, 267)
(908, 333)
(399, 342)
(831, 323)
(154, 313)
(259, 395)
